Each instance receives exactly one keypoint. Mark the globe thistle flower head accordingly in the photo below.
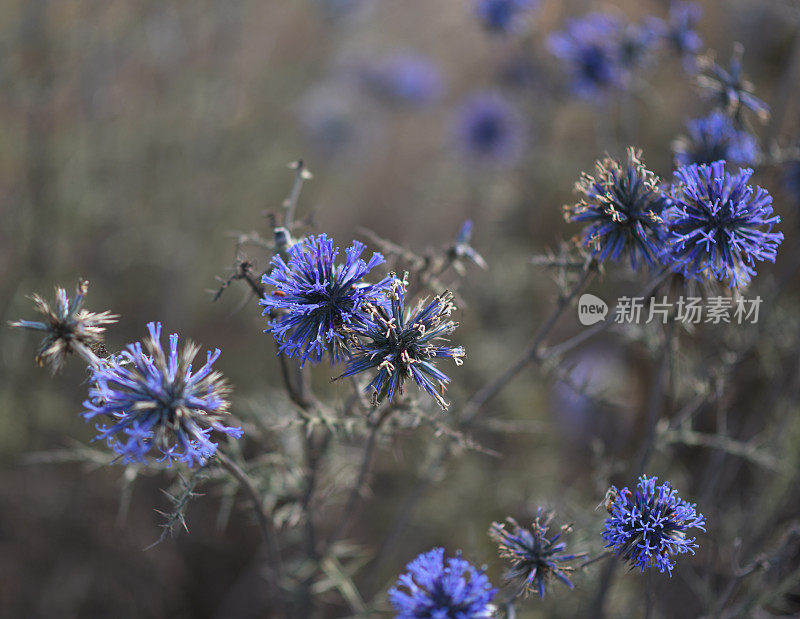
(435, 588)
(67, 328)
(729, 90)
(503, 16)
(489, 129)
(535, 558)
(623, 206)
(719, 225)
(158, 404)
(404, 78)
(403, 344)
(680, 32)
(715, 138)
(314, 297)
(648, 527)
(589, 48)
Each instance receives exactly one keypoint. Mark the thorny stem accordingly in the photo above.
(268, 532)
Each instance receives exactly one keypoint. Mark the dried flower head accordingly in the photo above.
(315, 298)
(435, 588)
(649, 526)
(535, 559)
(403, 344)
(623, 206)
(156, 402)
(719, 225)
(67, 328)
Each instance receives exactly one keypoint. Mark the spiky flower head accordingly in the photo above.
(589, 48)
(715, 138)
(719, 225)
(314, 298)
(535, 558)
(623, 205)
(728, 88)
(649, 526)
(503, 15)
(156, 403)
(489, 129)
(403, 344)
(67, 327)
(435, 588)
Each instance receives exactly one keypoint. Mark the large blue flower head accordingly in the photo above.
(503, 15)
(589, 46)
(435, 588)
(402, 344)
(719, 225)
(623, 206)
(156, 402)
(535, 558)
(489, 129)
(314, 298)
(649, 526)
(715, 138)
(404, 77)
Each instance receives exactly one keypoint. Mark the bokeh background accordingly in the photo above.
(138, 136)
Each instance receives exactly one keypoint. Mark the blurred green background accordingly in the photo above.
(137, 135)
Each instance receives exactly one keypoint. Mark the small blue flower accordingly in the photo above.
(503, 15)
(623, 206)
(314, 298)
(462, 250)
(729, 90)
(158, 403)
(649, 526)
(680, 32)
(535, 559)
(589, 47)
(403, 344)
(489, 130)
(435, 588)
(719, 225)
(404, 78)
(715, 138)
(637, 42)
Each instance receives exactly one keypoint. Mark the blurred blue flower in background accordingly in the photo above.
(404, 77)
(314, 298)
(157, 402)
(403, 344)
(489, 129)
(535, 558)
(623, 205)
(649, 526)
(728, 89)
(503, 15)
(435, 588)
(680, 31)
(715, 138)
(638, 42)
(589, 48)
(719, 225)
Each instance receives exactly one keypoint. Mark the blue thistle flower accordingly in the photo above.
(714, 138)
(489, 130)
(502, 15)
(157, 402)
(433, 588)
(623, 206)
(680, 31)
(403, 344)
(315, 298)
(729, 90)
(535, 558)
(404, 78)
(719, 225)
(67, 328)
(649, 526)
(589, 47)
